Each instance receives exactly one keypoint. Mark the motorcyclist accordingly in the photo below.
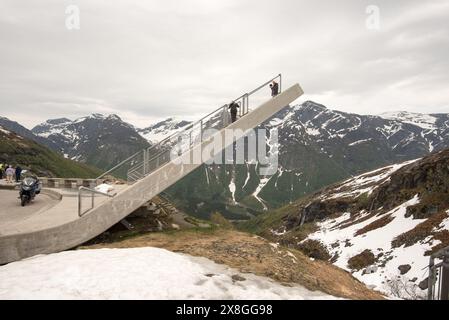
(37, 185)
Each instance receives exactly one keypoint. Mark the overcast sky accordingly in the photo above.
(147, 60)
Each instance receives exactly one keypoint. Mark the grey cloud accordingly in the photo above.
(149, 60)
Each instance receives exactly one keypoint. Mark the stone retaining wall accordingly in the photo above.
(68, 183)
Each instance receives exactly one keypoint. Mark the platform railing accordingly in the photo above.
(149, 159)
(92, 193)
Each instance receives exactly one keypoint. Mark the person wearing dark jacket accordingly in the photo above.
(233, 109)
(18, 173)
(274, 88)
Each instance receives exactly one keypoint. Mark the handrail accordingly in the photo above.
(218, 109)
(133, 173)
(118, 165)
(190, 126)
(142, 163)
(93, 192)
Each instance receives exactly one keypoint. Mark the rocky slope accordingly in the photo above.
(381, 226)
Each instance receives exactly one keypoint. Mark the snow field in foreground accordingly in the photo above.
(136, 273)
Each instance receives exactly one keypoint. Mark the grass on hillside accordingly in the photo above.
(28, 154)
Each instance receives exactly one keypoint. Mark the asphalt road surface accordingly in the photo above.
(12, 212)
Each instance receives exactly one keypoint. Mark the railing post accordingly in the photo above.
(145, 153)
(223, 116)
(79, 201)
(280, 83)
(444, 278)
(201, 131)
(431, 279)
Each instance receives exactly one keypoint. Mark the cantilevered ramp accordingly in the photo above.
(70, 234)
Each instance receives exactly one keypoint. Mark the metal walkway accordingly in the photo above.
(148, 173)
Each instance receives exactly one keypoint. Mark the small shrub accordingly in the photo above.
(314, 249)
(362, 260)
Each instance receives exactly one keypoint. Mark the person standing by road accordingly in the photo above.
(9, 174)
(18, 173)
(233, 109)
(1, 171)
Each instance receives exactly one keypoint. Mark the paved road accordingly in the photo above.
(11, 212)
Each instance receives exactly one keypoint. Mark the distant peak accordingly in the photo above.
(58, 121)
(97, 115)
(313, 105)
(169, 123)
(399, 113)
(114, 116)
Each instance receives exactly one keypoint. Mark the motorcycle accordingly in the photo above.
(29, 187)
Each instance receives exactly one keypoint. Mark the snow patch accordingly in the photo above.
(379, 242)
(136, 273)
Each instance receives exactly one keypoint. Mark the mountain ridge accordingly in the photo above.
(318, 146)
(381, 226)
(100, 140)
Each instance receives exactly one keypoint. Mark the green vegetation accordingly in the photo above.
(252, 202)
(265, 221)
(217, 218)
(17, 150)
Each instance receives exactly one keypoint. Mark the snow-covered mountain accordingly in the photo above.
(100, 140)
(425, 121)
(163, 129)
(317, 146)
(381, 226)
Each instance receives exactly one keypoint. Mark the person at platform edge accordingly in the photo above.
(274, 88)
(233, 109)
